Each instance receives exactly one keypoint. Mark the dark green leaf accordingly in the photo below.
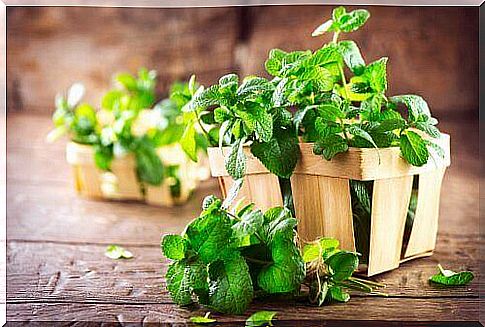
(330, 146)
(178, 283)
(343, 264)
(337, 294)
(236, 160)
(280, 154)
(359, 132)
(451, 278)
(250, 222)
(149, 166)
(389, 125)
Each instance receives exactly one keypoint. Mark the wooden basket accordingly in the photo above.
(322, 200)
(121, 183)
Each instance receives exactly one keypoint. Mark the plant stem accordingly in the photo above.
(209, 138)
(370, 282)
(335, 37)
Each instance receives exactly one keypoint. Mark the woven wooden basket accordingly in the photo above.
(121, 183)
(322, 198)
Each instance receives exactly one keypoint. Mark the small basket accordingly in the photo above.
(322, 198)
(121, 182)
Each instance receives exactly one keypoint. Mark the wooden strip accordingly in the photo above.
(390, 201)
(81, 272)
(425, 225)
(87, 180)
(367, 164)
(323, 208)
(265, 191)
(290, 313)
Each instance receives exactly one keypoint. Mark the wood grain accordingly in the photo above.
(390, 202)
(323, 208)
(425, 224)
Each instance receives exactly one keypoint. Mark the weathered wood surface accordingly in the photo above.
(56, 268)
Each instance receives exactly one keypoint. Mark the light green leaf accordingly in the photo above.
(203, 319)
(235, 162)
(353, 20)
(117, 252)
(329, 112)
(416, 105)
(316, 249)
(254, 86)
(257, 119)
(228, 83)
(261, 318)
(173, 247)
(274, 63)
(330, 146)
(323, 28)
(188, 143)
(429, 129)
(375, 73)
(352, 57)
(413, 148)
(232, 194)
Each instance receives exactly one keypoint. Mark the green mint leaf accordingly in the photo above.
(330, 146)
(149, 166)
(261, 318)
(127, 81)
(353, 20)
(257, 119)
(117, 252)
(326, 128)
(250, 223)
(356, 131)
(389, 125)
(231, 288)
(192, 86)
(416, 105)
(103, 156)
(315, 250)
(173, 247)
(228, 84)
(337, 294)
(329, 112)
(328, 26)
(178, 283)
(451, 278)
(342, 264)
(232, 194)
(338, 13)
(187, 141)
(438, 150)
(279, 94)
(318, 292)
(254, 86)
(300, 115)
(375, 74)
(203, 319)
(222, 114)
(235, 162)
(278, 221)
(429, 129)
(279, 155)
(211, 202)
(352, 57)
(327, 55)
(203, 98)
(208, 235)
(274, 64)
(413, 148)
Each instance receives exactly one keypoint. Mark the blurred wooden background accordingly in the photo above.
(433, 51)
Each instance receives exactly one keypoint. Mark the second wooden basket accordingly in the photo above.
(322, 198)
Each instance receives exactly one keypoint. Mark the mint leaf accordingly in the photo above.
(233, 191)
(261, 318)
(342, 264)
(251, 222)
(375, 74)
(451, 278)
(273, 64)
(187, 141)
(203, 319)
(429, 129)
(117, 252)
(280, 154)
(352, 57)
(353, 20)
(235, 162)
(208, 235)
(359, 132)
(149, 166)
(203, 98)
(389, 125)
(178, 283)
(416, 105)
(330, 146)
(228, 84)
(315, 250)
(230, 286)
(257, 119)
(254, 86)
(337, 294)
(173, 247)
(330, 112)
(413, 148)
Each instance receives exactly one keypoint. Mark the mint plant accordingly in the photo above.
(245, 115)
(224, 259)
(337, 112)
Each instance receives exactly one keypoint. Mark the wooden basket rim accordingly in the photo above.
(356, 163)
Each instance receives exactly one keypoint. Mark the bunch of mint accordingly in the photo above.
(223, 259)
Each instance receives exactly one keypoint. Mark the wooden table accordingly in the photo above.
(57, 269)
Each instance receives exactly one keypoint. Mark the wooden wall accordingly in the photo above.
(432, 51)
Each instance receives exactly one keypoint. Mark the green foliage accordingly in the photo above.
(117, 252)
(261, 318)
(223, 258)
(451, 278)
(201, 320)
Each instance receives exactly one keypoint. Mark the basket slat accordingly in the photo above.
(322, 215)
(87, 180)
(425, 225)
(390, 202)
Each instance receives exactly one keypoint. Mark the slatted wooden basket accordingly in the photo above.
(121, 183)
(322, 199)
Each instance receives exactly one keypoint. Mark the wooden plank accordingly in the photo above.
(425, 224)
(367, 164)
(323, 208)
(291, 312)
(390, 202)
(264, 190)
(81, 272)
